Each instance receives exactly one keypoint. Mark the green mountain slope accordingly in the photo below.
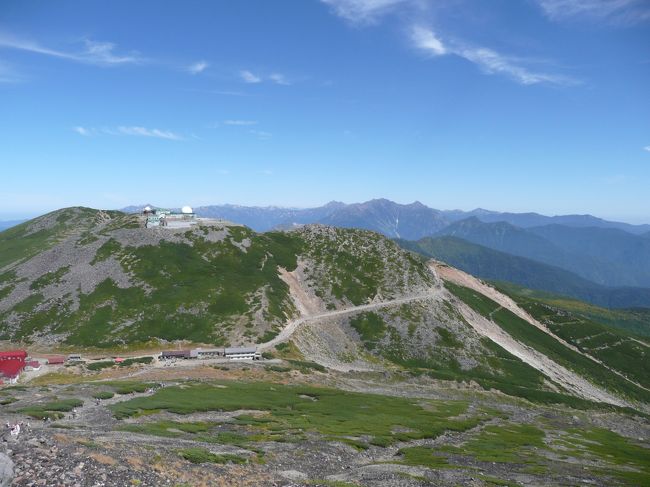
(87, 277)
(633, 320)
(490, 264)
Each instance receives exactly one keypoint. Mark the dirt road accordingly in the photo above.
(293, 325)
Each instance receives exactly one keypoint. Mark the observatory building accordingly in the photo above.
(159, 217)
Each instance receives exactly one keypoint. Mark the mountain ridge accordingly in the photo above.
(278, 215)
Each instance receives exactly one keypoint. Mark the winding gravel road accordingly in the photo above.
(293, 325)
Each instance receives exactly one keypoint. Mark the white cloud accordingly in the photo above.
(249, 77)
(488, 60)
(198, 67)
(100, 53)
(240, 122)
(82, 131)
(145, 132)
(647, 148)
(628, 11)
(128, 130)
(279, 79)
(491, 62)
(426, 40)
(364, 11)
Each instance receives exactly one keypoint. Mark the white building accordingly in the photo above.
(242, 353)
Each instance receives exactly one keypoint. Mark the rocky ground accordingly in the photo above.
(87, 447)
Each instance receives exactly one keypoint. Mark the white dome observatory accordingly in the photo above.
(186, 210)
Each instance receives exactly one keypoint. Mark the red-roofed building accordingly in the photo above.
(12, 363)
(11, 369)
(56, 360)
(13, 355)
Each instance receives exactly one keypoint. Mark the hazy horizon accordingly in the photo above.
(25, 216)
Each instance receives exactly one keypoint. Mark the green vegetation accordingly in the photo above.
(352, 273)
(635, 321)
(631, 463)
(95, 366)
(103, 395)
(129, 387)
(110, 248)
(49, 278)
(306, 366)
(184, 279)
(622, 351)
(201, 455)
(53, 409)
(292, 409)
(277, 368)
(496, 368)
(132, 361)
(526, 333)
(370, 327)
(169, 429)
(504, 443)
(422, 455)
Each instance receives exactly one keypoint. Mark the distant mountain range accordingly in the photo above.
(493, 265)
(606, 256)
(412, 221)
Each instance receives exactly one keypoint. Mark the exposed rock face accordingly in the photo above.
(6, 470)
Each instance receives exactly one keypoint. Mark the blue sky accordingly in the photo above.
(530, 105)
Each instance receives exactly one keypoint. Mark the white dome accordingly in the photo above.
(147, 208)
(186, 210)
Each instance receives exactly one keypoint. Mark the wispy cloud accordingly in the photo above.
(364, 11)
(240, 122)
(426, 40)
(279, 78)
(128, 130)
(627, 11)
(488, 60)
(249, 77)
(82, 131)
(198, 67)
(253, 78)
(93, 52)
(145, 132)
(647, 148)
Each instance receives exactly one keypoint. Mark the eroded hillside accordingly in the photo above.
(86, 277)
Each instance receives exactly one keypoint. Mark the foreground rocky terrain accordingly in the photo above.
(237, 425)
